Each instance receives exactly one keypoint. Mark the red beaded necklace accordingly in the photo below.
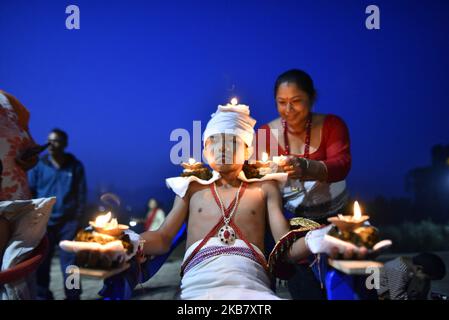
(227, 234)
(307, 140)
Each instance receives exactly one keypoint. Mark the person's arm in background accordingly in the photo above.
(338, 151)
(81, 188)
(23, 116)
(22, 112)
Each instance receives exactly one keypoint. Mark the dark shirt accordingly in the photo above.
(399, 281)
(67, 183)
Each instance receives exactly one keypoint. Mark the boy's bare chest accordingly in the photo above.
(245, 211)
(250, 215)
(205, 205)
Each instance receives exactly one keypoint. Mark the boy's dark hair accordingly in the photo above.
(62, 134)
(432, 265)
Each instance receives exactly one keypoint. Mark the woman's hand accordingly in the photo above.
(304, 169)
(294, 166)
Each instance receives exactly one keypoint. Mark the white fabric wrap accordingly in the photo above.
(318, 241)
(231, 120)
(180, 185)
(30, 218)
(226, 277)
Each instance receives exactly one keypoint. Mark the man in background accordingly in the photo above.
(409, 278)
(62, 175)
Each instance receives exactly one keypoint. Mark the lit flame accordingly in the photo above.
(101, 221)
(279, 159)
(105, 222)
(192, 161)
(234, 101)
(357, 211)
(264, 157)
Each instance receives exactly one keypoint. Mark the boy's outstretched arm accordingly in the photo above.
(279, 224)
(301, 248)
(158, 242)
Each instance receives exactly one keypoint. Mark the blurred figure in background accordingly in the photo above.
(155, 216)
(62, 175)
(409, 278)
(154, 219)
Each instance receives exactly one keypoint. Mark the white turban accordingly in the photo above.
(231, 119)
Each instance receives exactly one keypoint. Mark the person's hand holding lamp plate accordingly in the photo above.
(347, 235)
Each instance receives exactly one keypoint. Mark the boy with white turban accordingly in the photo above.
(227, 218)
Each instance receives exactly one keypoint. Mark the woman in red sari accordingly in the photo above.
(318, 159)
(316, 146)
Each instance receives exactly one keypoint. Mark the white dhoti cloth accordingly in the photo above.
(223, 272)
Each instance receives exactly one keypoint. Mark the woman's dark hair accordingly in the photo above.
(301, 79)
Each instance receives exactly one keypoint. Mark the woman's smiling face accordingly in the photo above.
(293, 103)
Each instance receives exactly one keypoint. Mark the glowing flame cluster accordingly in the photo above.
(105, 221)
(279, 160)
(264, 157)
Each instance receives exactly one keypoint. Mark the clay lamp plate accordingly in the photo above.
(110, 231)
(347, 223)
